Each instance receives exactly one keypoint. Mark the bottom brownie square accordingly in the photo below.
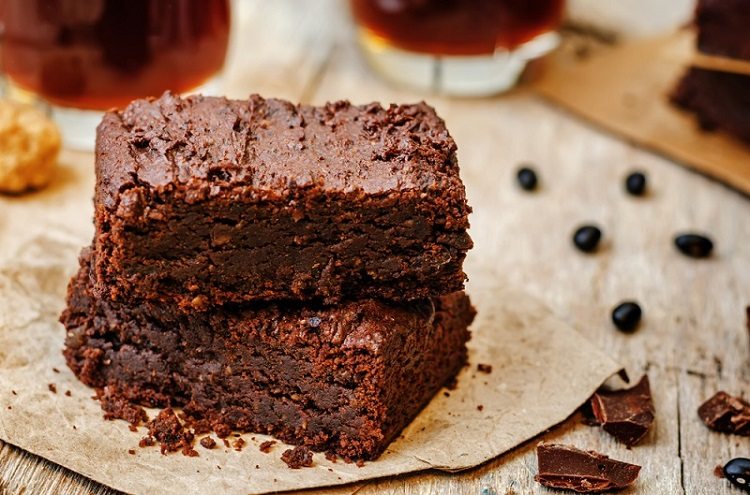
(345, 379)
(720, 100)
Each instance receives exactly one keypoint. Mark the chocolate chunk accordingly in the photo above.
(628, 414)
(265, 447)
(208, 442)
(298, 457)
(726, 414)
(569, 468)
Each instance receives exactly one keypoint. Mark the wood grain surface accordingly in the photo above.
(693, 340)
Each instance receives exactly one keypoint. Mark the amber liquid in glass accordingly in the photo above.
(98, 54)
(457, 27)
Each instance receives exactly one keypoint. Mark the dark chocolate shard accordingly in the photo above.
(627, 414)
(726, 414)
(568, 468)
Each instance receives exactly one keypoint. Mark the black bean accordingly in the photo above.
(694, 245)
(626, 316)
(587, 237)
(527, 178)
(737, 471)
(635, 183)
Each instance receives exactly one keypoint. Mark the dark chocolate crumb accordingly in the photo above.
(226, 442)
(74, 427)
(14, 392)
(56, 370)
(67, 393)
(52, 388)
(257, 466)
(208, 443)
(131, 451)
(447, 394)
(265, 447)
(719, 471)
(484, 368)
(480, 407)
(9, 408)
(298, 457)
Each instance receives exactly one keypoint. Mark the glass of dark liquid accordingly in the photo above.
(81, 57)
(459, 47)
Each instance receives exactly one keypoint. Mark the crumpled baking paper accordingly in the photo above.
(542, 370)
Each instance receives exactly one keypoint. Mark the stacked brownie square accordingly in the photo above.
(720, 100)
(275, 268)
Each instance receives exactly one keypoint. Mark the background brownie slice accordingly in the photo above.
(723, 27)
(720, 100)
(345, 379)
(208, 200)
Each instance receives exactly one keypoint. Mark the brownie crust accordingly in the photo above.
(209, 201)
(345, 379)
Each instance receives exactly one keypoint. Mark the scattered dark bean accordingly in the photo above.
(626, 316)
(737, 471)
(635, 183)
(587, 238)
(694, 245)
(527, 178)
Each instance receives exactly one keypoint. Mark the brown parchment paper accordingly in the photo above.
(625, 89)
(542, 371)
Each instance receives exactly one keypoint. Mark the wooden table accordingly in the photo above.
(693, 340)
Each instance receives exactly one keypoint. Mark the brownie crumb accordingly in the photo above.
(447, 394)
(719, 471)
(56, 370)
(298, 457)
(480, 407)
(131, 451)
(265, 447)
(13, 392)
(208, 443)
(257, 466)
(9, 408)
(226, 442)
(147, 441)
(360, 463)
(170, 433)
(67, 393)
(133, 428)
(116, 406)
(484, 368)
(331, 456)
(52, 388)
(238, 444)
(222, 430)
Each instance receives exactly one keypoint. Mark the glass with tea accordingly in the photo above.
(81, 57)
(460, 47)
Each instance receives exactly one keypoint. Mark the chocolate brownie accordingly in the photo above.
(346, 379)
(722, 27)
(720, 100)
(207, 201)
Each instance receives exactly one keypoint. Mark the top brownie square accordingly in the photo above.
(209, 201)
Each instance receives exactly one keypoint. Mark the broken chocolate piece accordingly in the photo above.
(627, 414)
(726, 414)
(568, 468)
